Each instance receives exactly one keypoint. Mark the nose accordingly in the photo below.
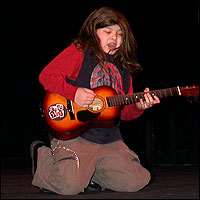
(114, 36)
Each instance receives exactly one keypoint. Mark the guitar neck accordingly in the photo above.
(135, 97)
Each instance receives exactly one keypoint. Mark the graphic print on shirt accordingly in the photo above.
(111, 78)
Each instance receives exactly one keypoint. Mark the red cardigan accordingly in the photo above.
(68, 64)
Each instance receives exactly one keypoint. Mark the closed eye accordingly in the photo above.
(120, 33)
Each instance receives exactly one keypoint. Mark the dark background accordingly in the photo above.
(167, 37)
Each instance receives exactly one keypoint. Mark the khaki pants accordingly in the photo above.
(75, 162)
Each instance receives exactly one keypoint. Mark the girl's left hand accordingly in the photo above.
(149, 100)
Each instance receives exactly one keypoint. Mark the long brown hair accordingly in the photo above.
(126, 54)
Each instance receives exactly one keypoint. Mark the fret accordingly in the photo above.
(165, 92)
(168, 93)
(110, 101)
(171, 93)
(175, 90)
(136, 98)
(114, 100)
(131, 98)
(122, 98)
(160, 93)
(118, 100)
(127, 99)
(141, 95)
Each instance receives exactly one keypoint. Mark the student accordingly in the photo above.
(103, 53)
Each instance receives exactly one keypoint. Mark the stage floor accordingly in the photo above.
(170, 182)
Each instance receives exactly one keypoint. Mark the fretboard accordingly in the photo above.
(135, 97)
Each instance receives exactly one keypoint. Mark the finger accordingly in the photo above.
(89, 101)
(143, 104)
(89, 91)
(156, 100)
(148, 102)
(146, 90)
(149, 98)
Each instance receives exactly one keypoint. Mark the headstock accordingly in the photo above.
(190, 91)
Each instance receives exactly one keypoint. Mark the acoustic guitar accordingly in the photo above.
(67, 120)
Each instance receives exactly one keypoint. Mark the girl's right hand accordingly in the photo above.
(84, 97)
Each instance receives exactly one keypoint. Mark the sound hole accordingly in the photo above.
(97, 105)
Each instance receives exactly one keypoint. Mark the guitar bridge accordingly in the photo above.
(70, 110)
(86, 115)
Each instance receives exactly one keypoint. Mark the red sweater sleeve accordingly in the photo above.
(130, 112)
(66, 64)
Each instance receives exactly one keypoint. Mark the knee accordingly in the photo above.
(139, 182)
(133, 182)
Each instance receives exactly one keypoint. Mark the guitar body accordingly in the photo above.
(63, 115)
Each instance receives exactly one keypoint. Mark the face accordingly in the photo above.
(111, 38)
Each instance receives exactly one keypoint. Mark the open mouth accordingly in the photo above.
(112, 46)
